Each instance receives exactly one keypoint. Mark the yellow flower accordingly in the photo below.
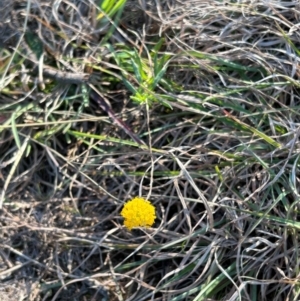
(138, 213)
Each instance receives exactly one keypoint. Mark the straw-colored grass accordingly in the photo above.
(193, 105)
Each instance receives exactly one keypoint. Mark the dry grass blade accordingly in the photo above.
(19, 154)
(200, 194)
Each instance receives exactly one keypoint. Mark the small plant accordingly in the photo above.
(138, 212)
(144, 75)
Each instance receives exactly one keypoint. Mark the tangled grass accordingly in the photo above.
(193, 105)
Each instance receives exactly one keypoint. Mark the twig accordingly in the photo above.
(105, 107)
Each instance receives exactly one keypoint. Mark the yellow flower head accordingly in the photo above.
(138, 213)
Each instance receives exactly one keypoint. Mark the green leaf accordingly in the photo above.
(158, 77)
(34, 43)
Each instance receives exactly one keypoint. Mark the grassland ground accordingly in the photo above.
(193, 105)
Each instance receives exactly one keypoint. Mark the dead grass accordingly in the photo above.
(218, 158)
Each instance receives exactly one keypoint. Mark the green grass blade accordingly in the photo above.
(14, 129)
